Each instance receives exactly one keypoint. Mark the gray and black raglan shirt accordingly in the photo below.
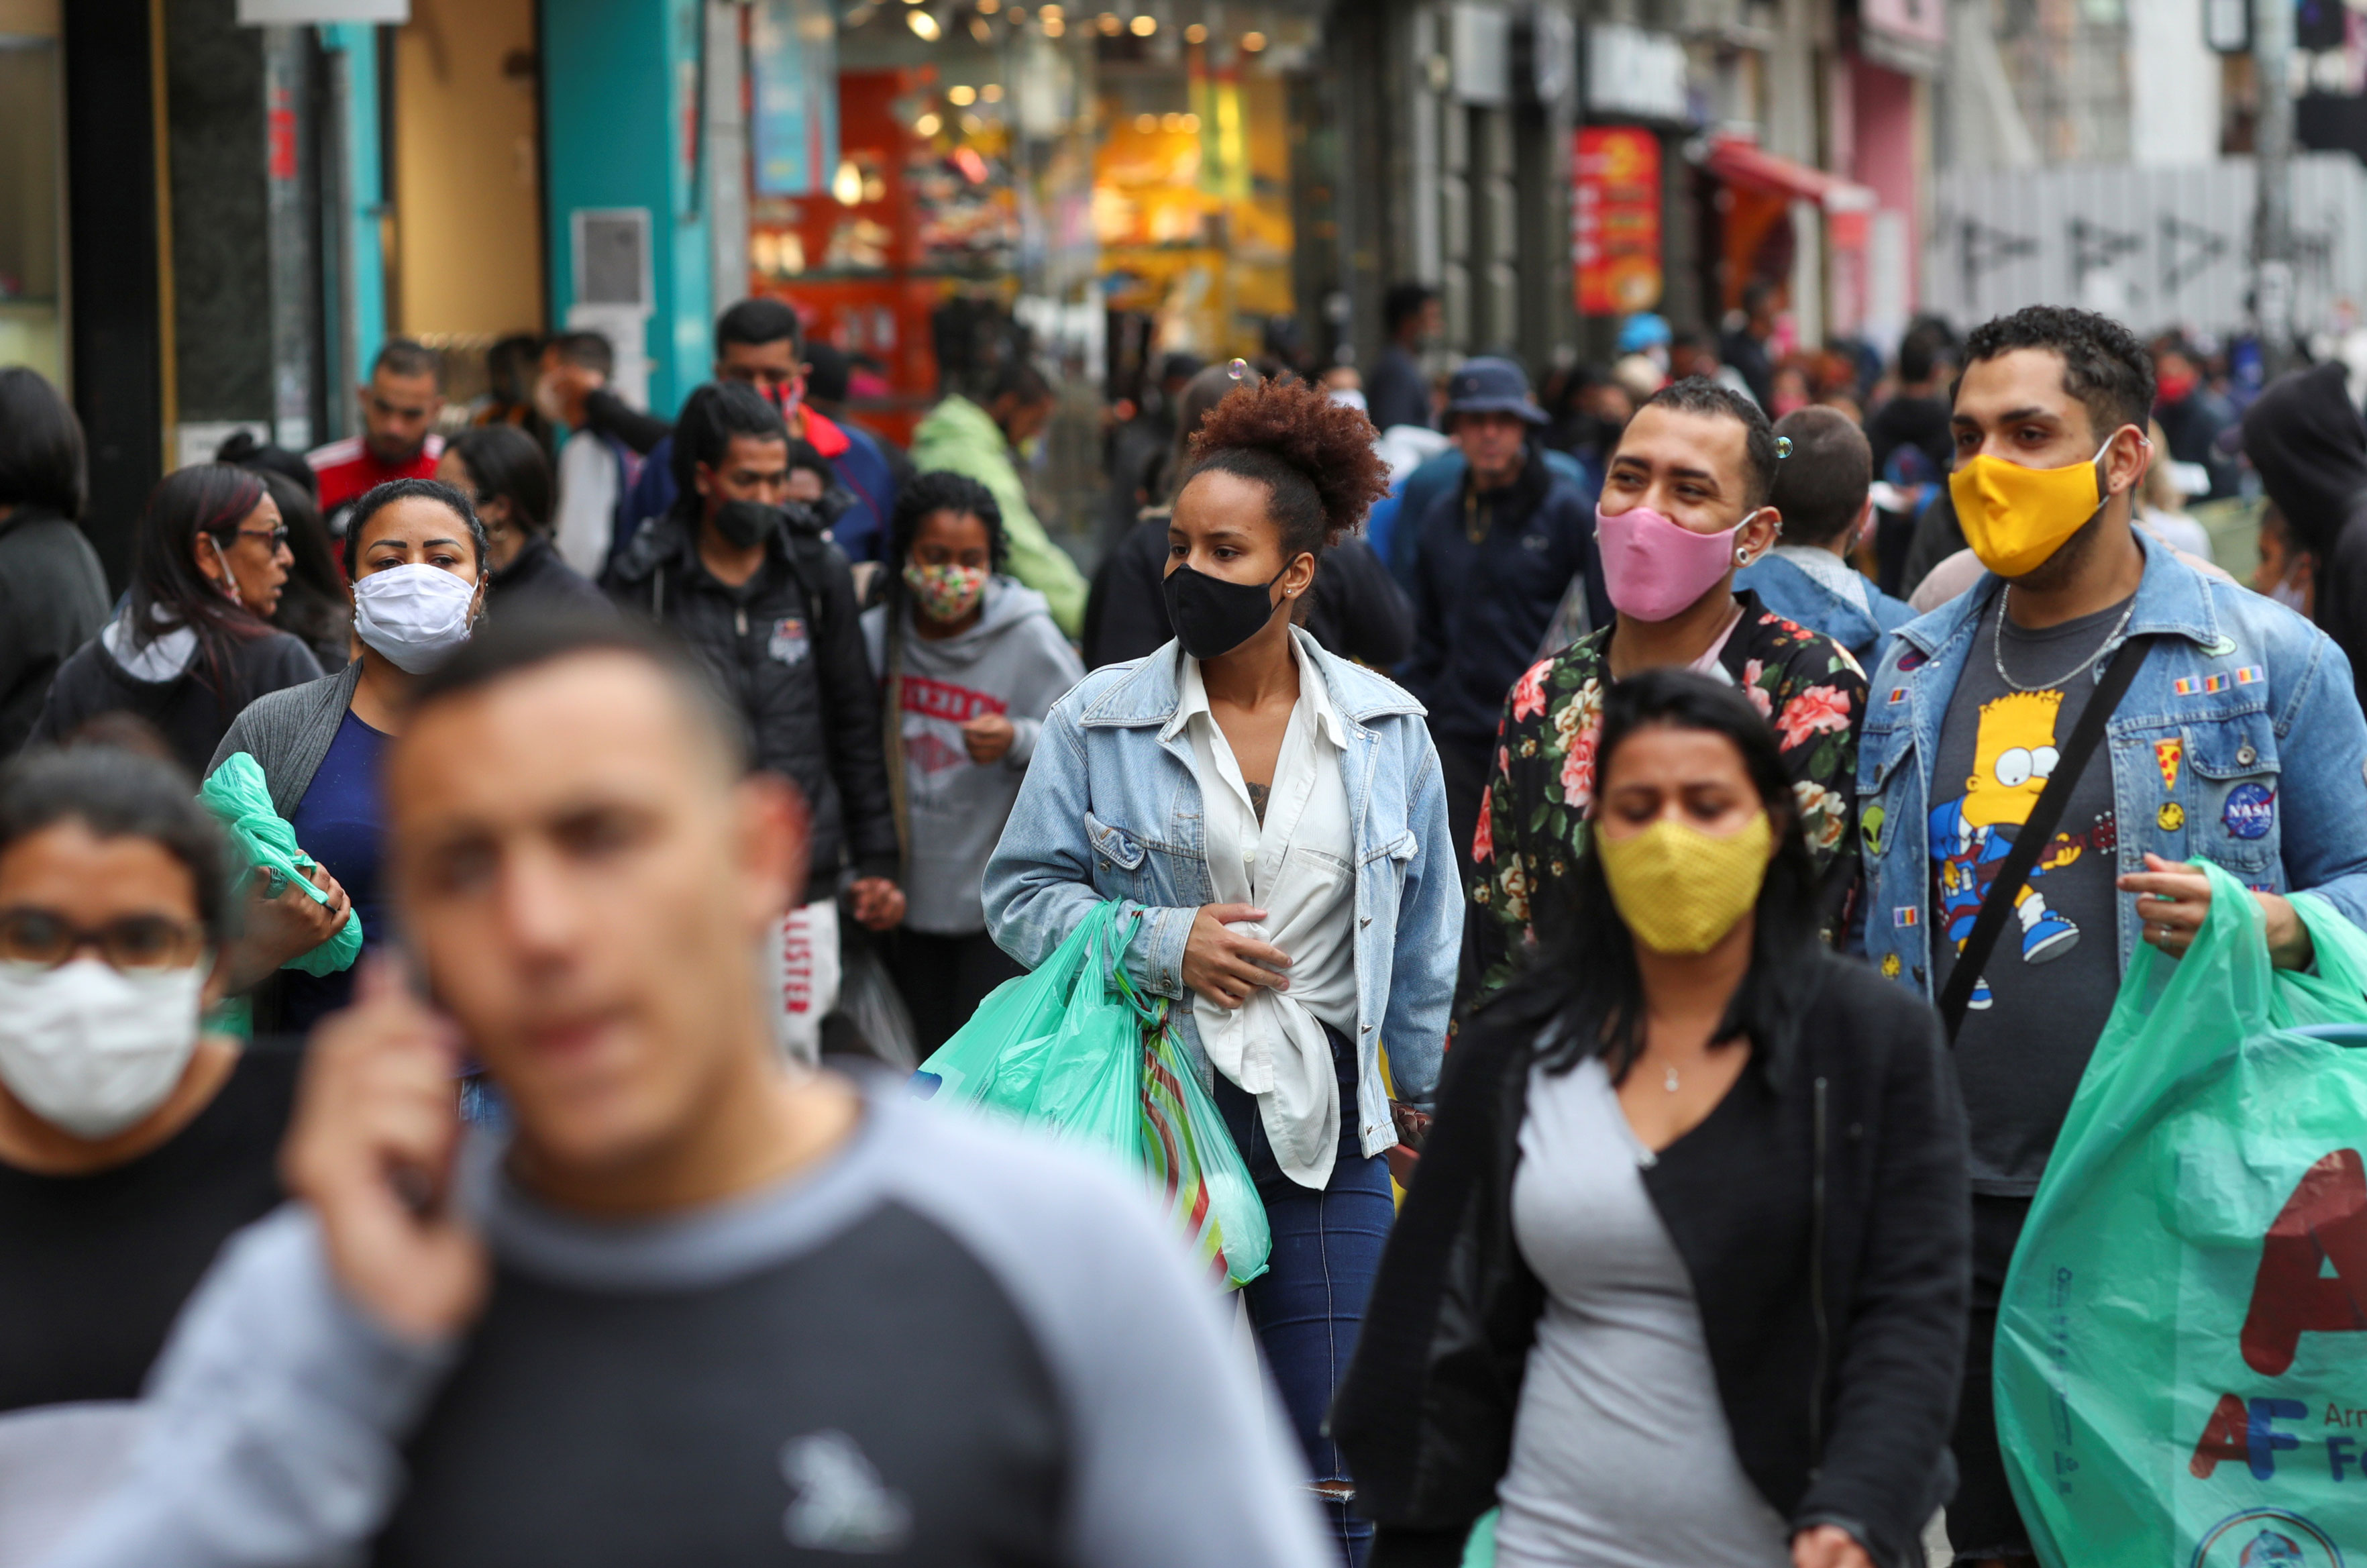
(948, 1346)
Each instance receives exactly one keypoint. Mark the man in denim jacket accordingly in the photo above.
(2240, 742)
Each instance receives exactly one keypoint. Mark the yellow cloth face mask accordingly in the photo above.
(2016, 519)
(1682, 890)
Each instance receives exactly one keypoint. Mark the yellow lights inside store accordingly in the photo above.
(1143, 27)
(961, 96)
(1253, 43)
(928, 124)
(846, 185)
(924, 25)
(1196, 33)
(992, 93)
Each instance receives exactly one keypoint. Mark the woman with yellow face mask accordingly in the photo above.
(1684, 1277)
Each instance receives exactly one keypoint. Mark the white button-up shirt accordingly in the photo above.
(1300, 867)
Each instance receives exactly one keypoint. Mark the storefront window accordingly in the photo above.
(993, 167)
(31, 318)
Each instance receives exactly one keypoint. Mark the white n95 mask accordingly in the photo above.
(416, 616)
(93, 1051)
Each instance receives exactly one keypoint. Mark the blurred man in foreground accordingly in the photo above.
(699, 1308)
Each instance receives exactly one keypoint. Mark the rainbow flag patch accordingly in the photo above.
(2250, 675)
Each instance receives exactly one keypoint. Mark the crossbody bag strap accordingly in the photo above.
(2038, 830)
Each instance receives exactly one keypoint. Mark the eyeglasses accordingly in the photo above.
(136, 944)
(278, 536)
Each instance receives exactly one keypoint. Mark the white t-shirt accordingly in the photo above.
(587, 503)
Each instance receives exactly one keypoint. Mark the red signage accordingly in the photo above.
(1615, 220)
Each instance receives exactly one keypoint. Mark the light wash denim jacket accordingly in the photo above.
(2240, 743)
(1111, 810)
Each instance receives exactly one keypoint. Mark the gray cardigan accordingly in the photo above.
(288, 732)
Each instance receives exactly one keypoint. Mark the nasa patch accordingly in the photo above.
(2250, 811)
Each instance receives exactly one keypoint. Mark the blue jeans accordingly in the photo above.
(1307, 1306)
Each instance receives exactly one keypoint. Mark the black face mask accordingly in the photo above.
(1213, 617)
(744, 523)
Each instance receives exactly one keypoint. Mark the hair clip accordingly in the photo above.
(1783, 448)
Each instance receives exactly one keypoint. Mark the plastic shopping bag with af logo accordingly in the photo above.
(2181, 1356)
(1075, 1049)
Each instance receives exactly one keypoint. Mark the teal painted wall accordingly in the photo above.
(362, 294)
(620, 85)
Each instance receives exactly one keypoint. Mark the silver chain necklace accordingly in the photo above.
(1996, 647)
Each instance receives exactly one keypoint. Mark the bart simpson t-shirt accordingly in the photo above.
(2050, 982)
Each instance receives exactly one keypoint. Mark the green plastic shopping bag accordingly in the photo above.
(1074, 1048)
(235, 792)
(2181, 1352)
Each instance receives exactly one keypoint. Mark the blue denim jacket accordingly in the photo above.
(1791, 593)
(1111, 809)
(2240, 742)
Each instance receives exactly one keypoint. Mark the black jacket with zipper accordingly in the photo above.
(787, 646)
(1843, 1145)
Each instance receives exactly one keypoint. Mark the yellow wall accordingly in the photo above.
(467, 172)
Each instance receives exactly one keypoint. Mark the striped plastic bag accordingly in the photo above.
(1195, 1164)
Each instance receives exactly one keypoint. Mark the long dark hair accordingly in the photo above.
(507, 464)
(168, 591)
(1586, 981)
(312, 601)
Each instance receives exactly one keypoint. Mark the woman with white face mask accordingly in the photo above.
(130, 1142)
(415, 556)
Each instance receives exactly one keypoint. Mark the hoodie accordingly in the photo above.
(2305, 438)
(168, 681)
(1014, 661)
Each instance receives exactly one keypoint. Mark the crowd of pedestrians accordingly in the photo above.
(1638, 873)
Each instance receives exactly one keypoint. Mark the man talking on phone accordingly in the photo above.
(699, 1306)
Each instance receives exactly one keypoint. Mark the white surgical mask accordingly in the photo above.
(2291, 597)
(93, 1051)
(416, 616)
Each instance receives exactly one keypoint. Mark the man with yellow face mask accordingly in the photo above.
(1970, 722)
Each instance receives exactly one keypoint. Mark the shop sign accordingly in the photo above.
(1632, 70)
(793, 73)
(1615, 220)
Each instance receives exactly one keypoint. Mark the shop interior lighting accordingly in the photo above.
(847, 185)
(992, 93)
(923, 25)
(1196, 33)
(961, 96)
(1169, 122)
(1017, 15)
(989, 7)
(982, 29)
(971, 125)
(1253, 43)
(1109, 24)
(928, 124)
(1145, 124)
(1054, 26)
(1143, 27)
(1053, 13)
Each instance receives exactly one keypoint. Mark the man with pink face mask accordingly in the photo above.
(1684, 505)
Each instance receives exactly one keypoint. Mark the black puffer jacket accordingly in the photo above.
(1843, 1143)
(788, 646)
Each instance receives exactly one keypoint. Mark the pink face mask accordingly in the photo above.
(1657, 569)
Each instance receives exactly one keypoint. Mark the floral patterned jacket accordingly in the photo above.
(1534, 828)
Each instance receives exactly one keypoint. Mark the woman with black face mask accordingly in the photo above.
(1276, 815)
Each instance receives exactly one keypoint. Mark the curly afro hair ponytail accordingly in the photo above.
(1314, 455)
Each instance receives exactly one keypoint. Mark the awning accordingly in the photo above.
(1741, 161)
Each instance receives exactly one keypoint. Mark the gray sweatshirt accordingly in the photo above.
(1014, 661)
(951, 1344)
